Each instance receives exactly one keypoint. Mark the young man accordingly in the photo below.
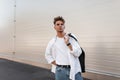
(63, 52)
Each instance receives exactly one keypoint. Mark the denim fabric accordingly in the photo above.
(63, 74)
(78, 76)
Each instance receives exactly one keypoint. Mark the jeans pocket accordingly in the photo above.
(58, 69)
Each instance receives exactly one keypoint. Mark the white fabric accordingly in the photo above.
(51, 54)
(61, 51)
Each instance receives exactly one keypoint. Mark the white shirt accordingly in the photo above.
(53, 48)
(62, 52)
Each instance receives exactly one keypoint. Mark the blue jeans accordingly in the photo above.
(64, 73)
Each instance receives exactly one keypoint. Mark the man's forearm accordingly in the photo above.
(70, 47)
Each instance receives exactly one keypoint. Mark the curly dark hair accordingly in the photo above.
(58, 18)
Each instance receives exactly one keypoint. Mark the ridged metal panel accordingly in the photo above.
(6, 27)
(95, 23)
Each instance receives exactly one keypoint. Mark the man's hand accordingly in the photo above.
(66, 39)
(54, 63)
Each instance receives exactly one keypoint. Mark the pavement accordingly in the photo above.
(10, 70)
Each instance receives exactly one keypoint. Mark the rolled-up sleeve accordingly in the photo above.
(48, 53)
(76, 48)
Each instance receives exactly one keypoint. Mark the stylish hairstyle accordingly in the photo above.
(58, 18)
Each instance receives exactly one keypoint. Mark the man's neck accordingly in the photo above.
(61, 34)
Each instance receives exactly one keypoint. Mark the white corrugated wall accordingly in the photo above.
(6, 27)
(27, 27)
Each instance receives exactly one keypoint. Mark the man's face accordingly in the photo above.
(59, 26)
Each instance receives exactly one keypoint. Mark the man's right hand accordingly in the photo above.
(54, 63)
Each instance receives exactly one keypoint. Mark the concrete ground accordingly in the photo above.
(10, 70)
